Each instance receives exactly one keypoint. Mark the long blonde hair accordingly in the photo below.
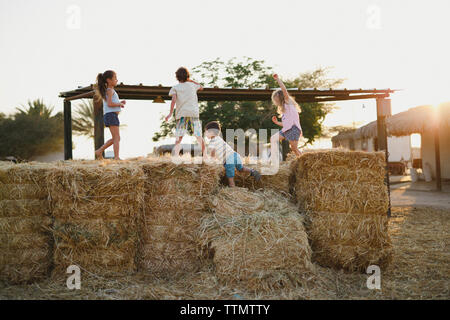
(279, 100)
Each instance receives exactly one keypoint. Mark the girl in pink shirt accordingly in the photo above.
(290, 121)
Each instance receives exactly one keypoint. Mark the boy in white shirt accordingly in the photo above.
(184, 95)
(222, 151)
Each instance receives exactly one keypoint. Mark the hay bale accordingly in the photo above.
(112, 261)
(175, 201)
(24, 256)
(21, 191)
(170, 259)
(24, 273)
(95, 190)
(350, 242)
(263, 250)
(17, 241)
(25, 241)
(97, 207)
(24, 225)
(24, 208)
(343, 196)
(346, 201)
(342, 181)
(95, 233)
(352, 258)
(281, 181)
(229, 202)
(24, 173)
(176, 187)
(349, 229)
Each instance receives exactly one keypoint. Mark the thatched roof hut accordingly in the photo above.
(344, 135)
(419, 120)
(415, 120)
(367, 131)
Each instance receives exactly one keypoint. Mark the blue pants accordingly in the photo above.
(233, 162)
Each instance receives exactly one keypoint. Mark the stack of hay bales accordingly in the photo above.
(175, 201)
(346, 199)
(25, 242)
(257, 240)
(97, 207)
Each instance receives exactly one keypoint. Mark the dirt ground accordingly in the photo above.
(420, 269)
(402, 197)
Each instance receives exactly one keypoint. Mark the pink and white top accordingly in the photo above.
(290, 117)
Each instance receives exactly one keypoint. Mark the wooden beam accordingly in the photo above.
(437, 155)
(382, 141)
(89, 94)
(99, 134)
(234, 94)
(67, 130)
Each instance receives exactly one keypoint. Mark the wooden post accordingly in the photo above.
(67, 130)
(384, 110)
(99, 134)
(437, 155)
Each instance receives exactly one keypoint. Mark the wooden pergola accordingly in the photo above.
(160, 93)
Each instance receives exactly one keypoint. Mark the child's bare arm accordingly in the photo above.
(201, 87)
(274, 120)
(172, 106)
(282, 86)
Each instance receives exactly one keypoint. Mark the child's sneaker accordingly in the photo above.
(255, 174)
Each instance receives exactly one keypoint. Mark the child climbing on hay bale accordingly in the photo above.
(222, 151)
(291, 128)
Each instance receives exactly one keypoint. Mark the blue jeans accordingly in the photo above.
(233, 162)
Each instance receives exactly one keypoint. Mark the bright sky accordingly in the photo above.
(52, 46)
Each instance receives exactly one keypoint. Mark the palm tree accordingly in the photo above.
(83, 122)
(35, 108)
(31, 131)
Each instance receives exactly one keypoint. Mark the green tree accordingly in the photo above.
(31, 131)
(248, 72)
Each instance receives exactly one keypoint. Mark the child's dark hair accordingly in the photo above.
(213, 125)
(101, 85)
(182, 74)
